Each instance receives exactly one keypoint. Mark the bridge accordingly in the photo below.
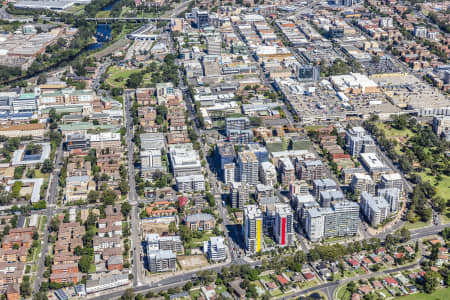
(127, 19)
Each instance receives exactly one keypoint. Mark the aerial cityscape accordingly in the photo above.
(232, 149)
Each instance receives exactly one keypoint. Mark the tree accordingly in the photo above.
(47, 166)
(25, 287)
(187, 287)
(123, 187)
(54, 224)
(211, 200)
(172, 227)
(125, 208)
(431, 281)
(134, 80)
(85, 263)
(405, 235)
(128, 295)
(42, 79)
(109, 197)
(93, 196)
(446, 233)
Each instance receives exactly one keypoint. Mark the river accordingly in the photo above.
(103, 31)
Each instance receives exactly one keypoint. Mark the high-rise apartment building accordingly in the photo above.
(215, 249)
(253, 229)
(340, 219)
(375, 209)
(238, 130)
(358, 141)
(392, 180)
(247, 168)
(287, 171)
(312, 169)
(267, 173)
(298, 187)
(239, 194)
(284, 225)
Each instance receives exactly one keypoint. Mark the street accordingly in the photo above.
(52, 195)
(132, 196)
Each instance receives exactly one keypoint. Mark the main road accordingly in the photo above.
(132, 196)
(52, 194)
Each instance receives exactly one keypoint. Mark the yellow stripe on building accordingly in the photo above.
(258, 235)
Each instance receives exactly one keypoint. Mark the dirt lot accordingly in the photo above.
(192, 262)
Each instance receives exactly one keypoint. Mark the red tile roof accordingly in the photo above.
(282, 280)
(390, 281)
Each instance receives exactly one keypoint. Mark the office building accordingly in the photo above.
(214, 45)
(340, 219)
(358, 141)
(286, 170)
(392, 180)
(253, 229)
(312, 169)
(184, 160)
(150, 162)
(239, 194)
(215, 249)
(25, 103)
(267, 173)
(375, 209)
(190, 183)
(247, 168)
(76, 141)
(325, 184)
(308, 73)
(284, 225)
(362, 183)
(161, 261)
(201, 17)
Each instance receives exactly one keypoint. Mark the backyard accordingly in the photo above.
(440, 294)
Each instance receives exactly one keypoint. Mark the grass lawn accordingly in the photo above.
(343, 293)
(36, 252)
(440, 294)
(416, 225)
(44, 221)
(117, 76)
(76, 9)
(39, 174)
(443, 186)
(194, 294)
(205, 237)
(309, 284)
(392, 132)
(103, 14)
(92, 269)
